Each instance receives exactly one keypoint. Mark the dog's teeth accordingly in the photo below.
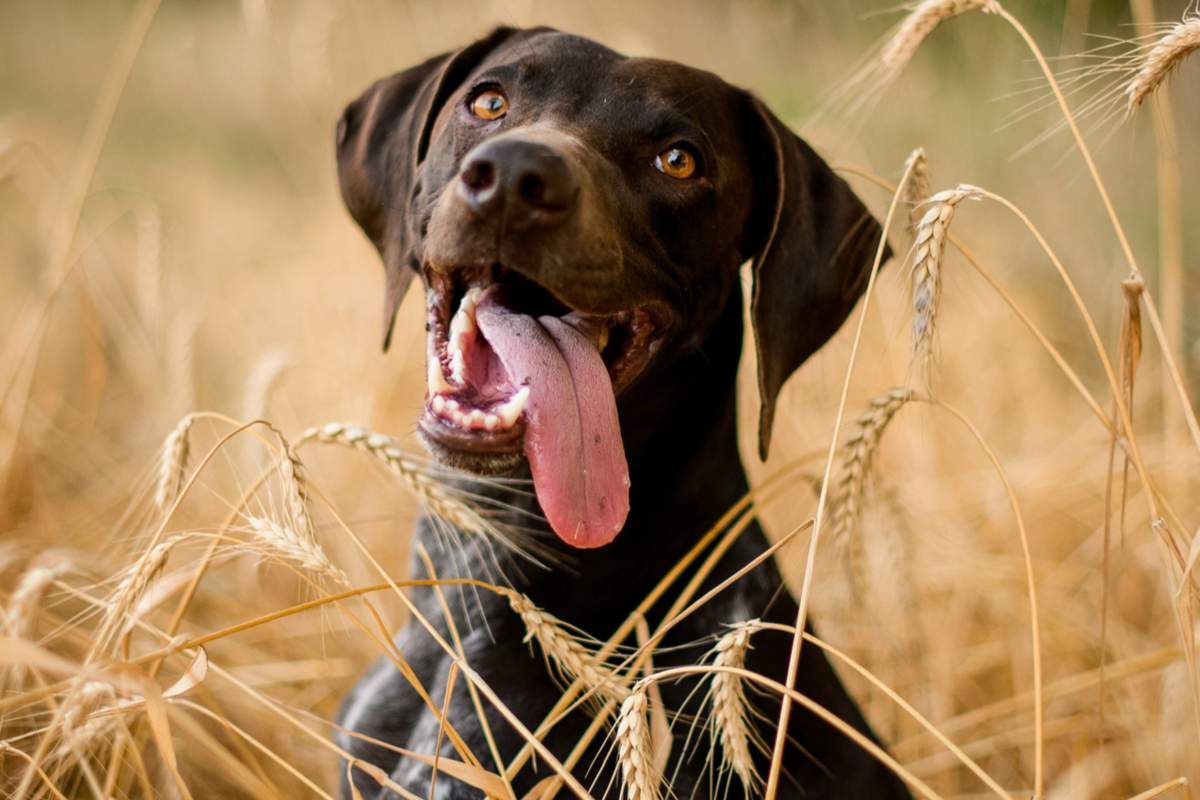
(511, 409)
(451, 404)
(439, 403)
(475, 419)
(491, 422)
(457, 416)
(458, 365)
(435, 379)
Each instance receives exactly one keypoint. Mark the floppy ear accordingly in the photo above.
(382, 138)
(815, 244)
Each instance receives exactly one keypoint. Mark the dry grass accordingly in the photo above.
(167, 237)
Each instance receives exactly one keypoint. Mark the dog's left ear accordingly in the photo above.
(813, 243)
(382, 138)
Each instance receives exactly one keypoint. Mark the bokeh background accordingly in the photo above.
(175, 241)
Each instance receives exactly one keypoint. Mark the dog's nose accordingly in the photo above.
(528, 183)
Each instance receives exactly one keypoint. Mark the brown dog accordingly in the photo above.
(578, 219)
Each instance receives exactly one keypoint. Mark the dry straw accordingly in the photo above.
(729, 722)
(298, 547)
(929, 249)
(1162, 58)
(635, 750)
(857, 456)
(173, 463)
(919, 24)
(564, 651)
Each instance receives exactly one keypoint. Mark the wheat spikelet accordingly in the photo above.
(173, 463)
(857, 455)
(729, 722)
(569, 657)
(634, 749)
(295, 481)
(138, 576)
(1162, 59)
(921, 22)
(76, 725)
(23, 605)
(929, 247)
(919, 185)
(291, 545)
(425, 486)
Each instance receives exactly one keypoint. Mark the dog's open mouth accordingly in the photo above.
(513, 371)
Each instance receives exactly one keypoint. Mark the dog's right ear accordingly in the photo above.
(382, 138)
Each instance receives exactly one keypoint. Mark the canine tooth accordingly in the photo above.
(458, 366)
(435, 379)
(438, 403)
(512, 408)
(491, 422)
(451, 404)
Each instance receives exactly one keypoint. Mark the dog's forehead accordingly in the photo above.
(577, 78)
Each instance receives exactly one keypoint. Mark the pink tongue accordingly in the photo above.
(572, 437)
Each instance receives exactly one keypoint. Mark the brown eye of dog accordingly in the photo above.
(678, 162)
(489, 104)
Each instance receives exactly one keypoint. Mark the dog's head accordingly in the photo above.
(578, 219)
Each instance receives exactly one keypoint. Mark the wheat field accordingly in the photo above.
(207, 472)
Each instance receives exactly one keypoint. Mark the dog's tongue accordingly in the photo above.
(572, 436)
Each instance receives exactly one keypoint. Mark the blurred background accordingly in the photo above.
(175, 241)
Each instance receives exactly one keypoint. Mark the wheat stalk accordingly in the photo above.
(857, 456)
(432, 493)
(929, 248)
(299, 548)
(567, 654)
(173, 463)
(920, 23)
(1162, 58)
(634, 749)
(730, 720)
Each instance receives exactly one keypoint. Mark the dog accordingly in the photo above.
(578, 219)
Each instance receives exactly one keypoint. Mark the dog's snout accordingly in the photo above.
(528, 183)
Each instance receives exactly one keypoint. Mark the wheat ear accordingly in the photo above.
(432, 494)
(564, 651)
(26, 599)
(730, 719)
(919, 185)
(857, 456)
(77, 725)
(297, 547)
(921, 22)
(173, 463)
(634, 749)
(929, 248)
(1162, 58)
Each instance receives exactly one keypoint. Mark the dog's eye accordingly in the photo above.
(489, 104)
(676, 161)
